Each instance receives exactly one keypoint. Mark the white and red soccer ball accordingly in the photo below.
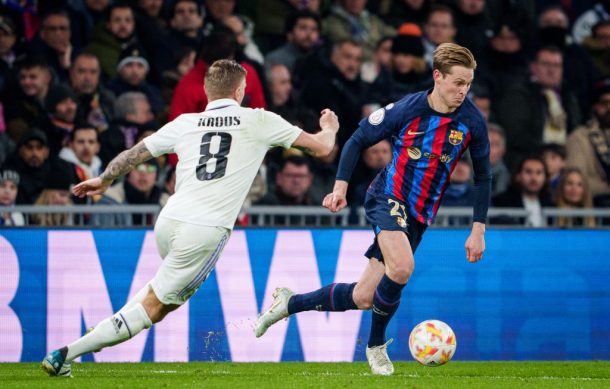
(432, 343)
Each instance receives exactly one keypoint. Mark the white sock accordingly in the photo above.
(138, 298)
(114, 330)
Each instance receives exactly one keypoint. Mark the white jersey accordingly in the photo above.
(220, 151)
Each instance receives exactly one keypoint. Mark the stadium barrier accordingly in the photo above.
(538, 294)
(293, 216)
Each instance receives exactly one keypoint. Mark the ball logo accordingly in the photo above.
(456, 137)
(377, 116)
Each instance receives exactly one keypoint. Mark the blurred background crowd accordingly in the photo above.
(83, 80)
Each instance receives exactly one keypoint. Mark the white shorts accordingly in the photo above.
(189, 254)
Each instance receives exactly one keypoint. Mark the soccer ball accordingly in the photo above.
(432, 343)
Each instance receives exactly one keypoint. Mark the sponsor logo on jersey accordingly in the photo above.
(444, 158)
(219, 121)
(456, 137)
(377, 117)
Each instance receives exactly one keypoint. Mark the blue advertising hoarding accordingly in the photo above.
(536, 295)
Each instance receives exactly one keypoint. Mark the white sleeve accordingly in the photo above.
(164, 140)
(274, 130)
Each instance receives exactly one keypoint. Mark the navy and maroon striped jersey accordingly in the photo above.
(426, 147)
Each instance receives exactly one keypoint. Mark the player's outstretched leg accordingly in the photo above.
(123, 325)
(333, 298)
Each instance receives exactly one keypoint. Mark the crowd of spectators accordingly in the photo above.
(83, 80)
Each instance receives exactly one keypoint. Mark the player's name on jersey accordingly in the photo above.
(219, 121)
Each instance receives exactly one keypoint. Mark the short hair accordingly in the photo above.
(548, 48)
(220, 44)
(531, 157)
(293, 19)
(447, 55)
(296, 160)
(172, 10)
(115, 5)
(554, 148)
(347, 41)
(83, 128)
(126, 104)
(441, 9)
(33, 61)
(222, 78)
(497, 129)
(56, 12)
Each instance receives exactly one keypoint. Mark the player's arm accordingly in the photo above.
(352, 149)
(119, 166)
(320, 144)
(475, 244)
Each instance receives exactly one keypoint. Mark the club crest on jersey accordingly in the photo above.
(377, 117)
(456, 137)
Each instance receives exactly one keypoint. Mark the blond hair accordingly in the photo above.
(447, 55)
(222, 78)
(50, 219)
(585, 202)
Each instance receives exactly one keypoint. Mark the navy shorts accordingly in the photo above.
(390, 214)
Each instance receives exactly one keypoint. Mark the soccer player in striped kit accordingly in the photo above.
(429, 131)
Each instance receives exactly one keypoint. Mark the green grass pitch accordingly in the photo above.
(595, 374)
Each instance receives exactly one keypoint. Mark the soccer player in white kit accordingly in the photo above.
(220, 151)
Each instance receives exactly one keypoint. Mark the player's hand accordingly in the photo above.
(91, 187)
(328, 119)
(475, 245)
(334, 201)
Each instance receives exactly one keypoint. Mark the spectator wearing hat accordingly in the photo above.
(9, 184)
(138, 188)
(112, 37)
(61, 104)
(408, 70)
(132, 111)
(95, 103)
(8, 53)
(56, 192)
(53, 42)
(598, 47)
(82, 150)
(32, 163)
(25, 107)
(588, 147)
(583, 25)
(133, 70)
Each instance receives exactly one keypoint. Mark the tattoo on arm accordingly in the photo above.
(125, 162)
